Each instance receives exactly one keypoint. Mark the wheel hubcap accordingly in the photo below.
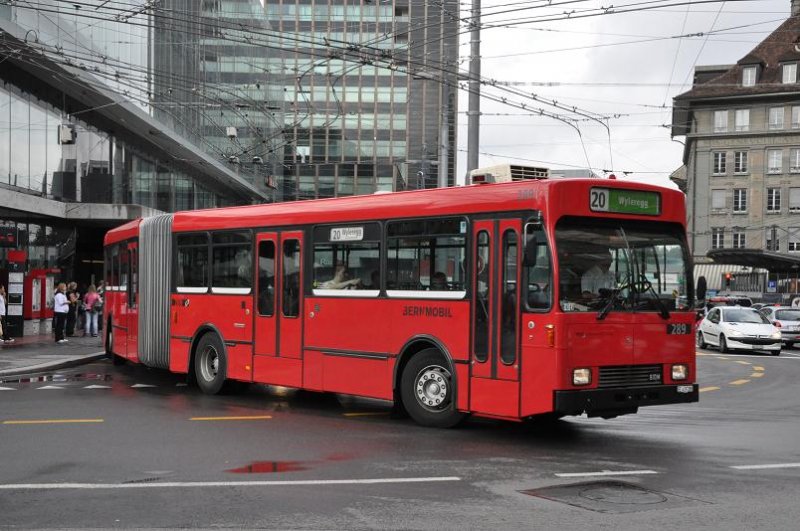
(432, 387)
(209, 364)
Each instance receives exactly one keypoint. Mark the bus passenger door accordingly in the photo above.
(290, 337)
(132, 321)
(494, 383)
(266, 327)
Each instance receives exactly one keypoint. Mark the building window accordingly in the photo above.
(770, 244)
(794, 160)
(721, 121)
(749, 76)
(738, 238)
(776, 118)
(740, 162)
(717, 199)
(740, 199)
(773, 199)
(790, 73)
(717, 238)
(742, 122)
(794, 239)
(720, 163)
(796, 117)
(774, 161)
(794, 199)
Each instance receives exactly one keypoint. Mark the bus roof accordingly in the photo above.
(554, 197)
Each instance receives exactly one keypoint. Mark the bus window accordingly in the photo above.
(192, 265)
(427, 257)
(482, 294)
(347, 258)
(114, 267)
(537, 268)
(266, 278)
(291, 278)
(508, 339)
(231, 270)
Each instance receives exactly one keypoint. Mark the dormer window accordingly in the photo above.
(789, 73)
(749, 76)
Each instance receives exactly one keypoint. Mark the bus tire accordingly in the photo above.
(109, 347)
(427, 390)
(210, 364)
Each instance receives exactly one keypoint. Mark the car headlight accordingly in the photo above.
(581, 376)
(680, 372)
(776, 335)
(735, 333)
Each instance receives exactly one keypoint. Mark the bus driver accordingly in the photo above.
(598, 277)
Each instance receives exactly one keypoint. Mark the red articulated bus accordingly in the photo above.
(542, 297)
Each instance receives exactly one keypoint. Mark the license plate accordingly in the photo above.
(679, 329)
(685, 389)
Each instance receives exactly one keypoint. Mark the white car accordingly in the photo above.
(737, 328)
(787, 320)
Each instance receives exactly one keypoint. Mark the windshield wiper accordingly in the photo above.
(616, 291)
(662, 308)
(613, 298)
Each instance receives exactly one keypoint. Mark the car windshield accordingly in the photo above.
(788, 315)
(634, 266)
(744, 316)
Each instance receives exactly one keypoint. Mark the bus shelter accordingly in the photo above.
(783, 270)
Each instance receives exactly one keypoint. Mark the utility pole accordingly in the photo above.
(474, 112)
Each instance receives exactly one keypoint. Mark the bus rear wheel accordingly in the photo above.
(210, 364)
(427, 390)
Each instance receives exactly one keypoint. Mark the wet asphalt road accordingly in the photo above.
(167, 456)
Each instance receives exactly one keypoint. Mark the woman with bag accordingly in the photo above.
(4, 337)
(60, 309)
(92, 304)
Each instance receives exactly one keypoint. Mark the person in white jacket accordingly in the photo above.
(60, 309)
(4, 337)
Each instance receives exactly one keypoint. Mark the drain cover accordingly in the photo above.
(612, 497)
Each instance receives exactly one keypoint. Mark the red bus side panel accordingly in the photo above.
(500, 396)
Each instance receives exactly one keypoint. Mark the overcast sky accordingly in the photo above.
(584, 54)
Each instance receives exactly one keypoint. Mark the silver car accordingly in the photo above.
(787, 320)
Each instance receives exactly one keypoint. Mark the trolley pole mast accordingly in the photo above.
(474, 111)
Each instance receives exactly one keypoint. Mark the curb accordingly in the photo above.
(63, 364)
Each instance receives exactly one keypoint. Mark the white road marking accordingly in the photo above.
(783, 356)
(49, 387)
(139, 386)
(7, 389)
(606, 473)
(97, 387)
(193, 484)
(765, 467)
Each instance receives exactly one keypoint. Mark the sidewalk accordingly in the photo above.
(41, 353)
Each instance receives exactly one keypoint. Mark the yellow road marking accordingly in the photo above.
(757, 375)
(705, 389)
(740, 382)
(743, 362)
(757, 368)
(255, 417)
(55, 421)
(367, 414)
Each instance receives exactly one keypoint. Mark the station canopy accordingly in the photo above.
(770, 260)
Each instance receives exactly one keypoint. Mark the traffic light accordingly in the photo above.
(728, 278)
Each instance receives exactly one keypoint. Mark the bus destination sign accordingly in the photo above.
(614, 200)
(347, 234)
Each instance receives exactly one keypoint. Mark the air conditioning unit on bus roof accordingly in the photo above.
(504, 173)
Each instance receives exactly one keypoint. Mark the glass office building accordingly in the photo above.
(370, 90)
(80, 149)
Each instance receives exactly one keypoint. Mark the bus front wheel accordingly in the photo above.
(210, 365)
(427, 390)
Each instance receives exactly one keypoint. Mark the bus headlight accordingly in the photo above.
(581, 376)
(680, 372)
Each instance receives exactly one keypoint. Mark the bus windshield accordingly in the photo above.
(616, 265)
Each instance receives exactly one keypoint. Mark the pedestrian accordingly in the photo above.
(4, 337)
(60, 311)
(73, 299)
(101, 291)
(92, 303)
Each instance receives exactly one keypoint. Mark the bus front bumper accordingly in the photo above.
(610, 403)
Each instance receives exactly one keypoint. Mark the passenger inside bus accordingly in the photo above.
(341, 279)
(439, 282)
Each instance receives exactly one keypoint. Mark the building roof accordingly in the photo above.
(782, 45)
